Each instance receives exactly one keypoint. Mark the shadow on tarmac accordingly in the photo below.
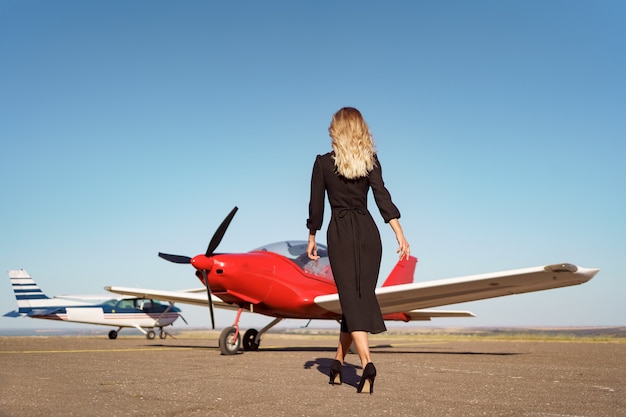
(348, 374)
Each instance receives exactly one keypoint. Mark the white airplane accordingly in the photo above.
(280, 281)
(139, 313)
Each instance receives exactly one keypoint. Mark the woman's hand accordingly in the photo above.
(404, 249)
(311, 248)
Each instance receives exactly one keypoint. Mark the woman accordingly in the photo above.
(354, 248)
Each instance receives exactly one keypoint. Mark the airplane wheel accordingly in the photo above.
(228, 344)
(249, 338)
(150, 335)
(162, 335)
(112, 335)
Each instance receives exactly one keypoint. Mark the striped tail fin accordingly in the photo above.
(27, 292)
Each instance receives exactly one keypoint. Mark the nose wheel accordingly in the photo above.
(230, 340)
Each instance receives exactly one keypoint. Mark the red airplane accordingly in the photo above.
(280, 281)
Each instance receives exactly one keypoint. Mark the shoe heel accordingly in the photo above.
(367, 379)
(335, 373)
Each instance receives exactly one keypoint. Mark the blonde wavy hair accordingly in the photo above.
(352, 143)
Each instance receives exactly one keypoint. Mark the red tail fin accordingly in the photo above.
(402, 273)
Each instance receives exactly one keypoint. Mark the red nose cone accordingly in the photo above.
(201, 262)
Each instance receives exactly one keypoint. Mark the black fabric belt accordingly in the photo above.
(342, 211)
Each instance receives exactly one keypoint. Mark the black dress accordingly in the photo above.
(354, 247)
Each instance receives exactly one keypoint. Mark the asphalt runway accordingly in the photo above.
(288, 376)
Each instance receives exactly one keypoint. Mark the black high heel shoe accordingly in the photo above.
(335, 373)
(367, 379)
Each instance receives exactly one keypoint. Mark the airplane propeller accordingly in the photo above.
(205, 279)
(203, 262)
(219, 233)
(177, 259)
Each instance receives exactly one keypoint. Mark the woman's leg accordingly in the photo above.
(345, 341)
(361, 342)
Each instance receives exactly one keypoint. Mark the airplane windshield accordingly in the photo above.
(133, 304)
(296, 251)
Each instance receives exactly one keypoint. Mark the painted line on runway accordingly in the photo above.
(25, 352)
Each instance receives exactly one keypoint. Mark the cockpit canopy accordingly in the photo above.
(296, 251)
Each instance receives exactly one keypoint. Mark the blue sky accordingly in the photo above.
(130, 128)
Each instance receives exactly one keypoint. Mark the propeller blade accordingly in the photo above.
(208, 293)
(219, 233)
(177, 259)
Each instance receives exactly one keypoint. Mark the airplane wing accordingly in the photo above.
(199, 297)
(195, 296)
(428, 294)
(413, 301)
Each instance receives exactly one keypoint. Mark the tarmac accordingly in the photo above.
(288, 376)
